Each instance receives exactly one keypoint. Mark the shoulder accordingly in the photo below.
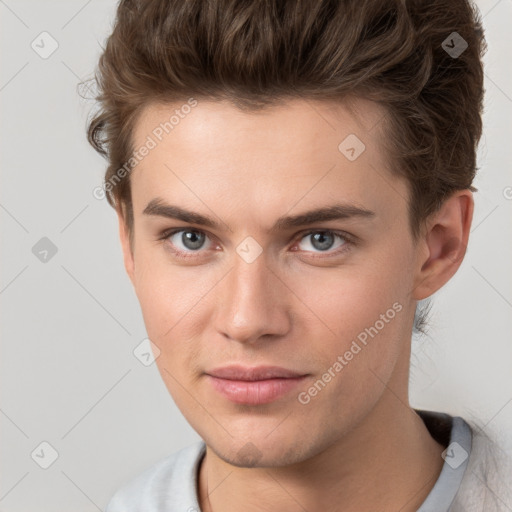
(168, 485)
(477, 472)
(487, 479)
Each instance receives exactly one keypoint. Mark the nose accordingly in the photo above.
(253, 303)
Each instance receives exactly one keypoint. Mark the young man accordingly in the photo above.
(291, 178)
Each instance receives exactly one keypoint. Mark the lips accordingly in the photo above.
(254, 386)
(251, 374)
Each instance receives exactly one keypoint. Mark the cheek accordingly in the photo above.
(355, 365)
(173, 302)
(169, 298)
(169, 295)
(360, 317)
(343, 302)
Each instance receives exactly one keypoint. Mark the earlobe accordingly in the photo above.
(124, 236)
(446, 239)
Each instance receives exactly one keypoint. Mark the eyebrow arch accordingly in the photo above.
(158, 207)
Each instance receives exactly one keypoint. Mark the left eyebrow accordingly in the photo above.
(337, 211)
(326, 213)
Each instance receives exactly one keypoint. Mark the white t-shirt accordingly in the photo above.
(471, 479)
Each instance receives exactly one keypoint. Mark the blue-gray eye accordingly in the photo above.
(323, 240)
(191, 240)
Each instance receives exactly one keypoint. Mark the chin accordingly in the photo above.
(264, 451)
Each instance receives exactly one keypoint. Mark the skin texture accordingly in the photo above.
(357, 444)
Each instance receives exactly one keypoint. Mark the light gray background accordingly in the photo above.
(69, 325)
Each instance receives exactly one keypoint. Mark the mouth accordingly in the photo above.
(254, 386)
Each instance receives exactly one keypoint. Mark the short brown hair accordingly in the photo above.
(257, 52)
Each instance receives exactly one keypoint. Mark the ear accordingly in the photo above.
(444, 242)
(124, 236)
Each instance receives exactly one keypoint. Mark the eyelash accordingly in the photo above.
(349, 240)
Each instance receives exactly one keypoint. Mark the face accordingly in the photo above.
(246, 281)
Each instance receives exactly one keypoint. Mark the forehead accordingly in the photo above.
(299, 151)
(276, 129)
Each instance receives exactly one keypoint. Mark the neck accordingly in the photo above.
(388, 462)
